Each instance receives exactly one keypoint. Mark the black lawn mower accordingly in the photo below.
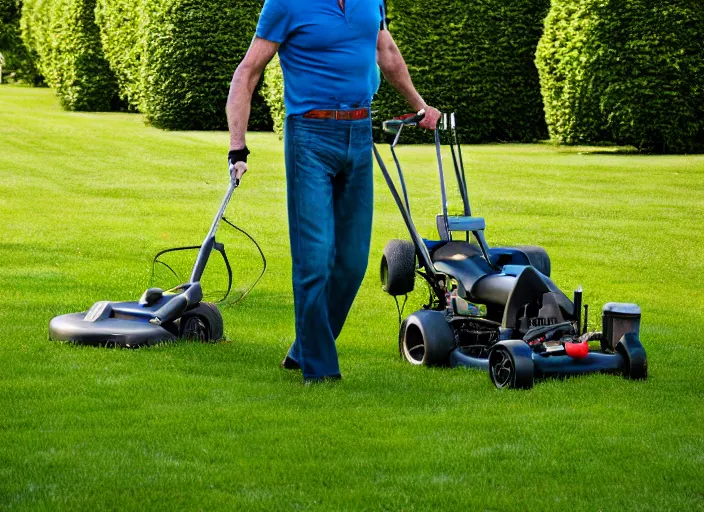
(159, 315)
(494, 308)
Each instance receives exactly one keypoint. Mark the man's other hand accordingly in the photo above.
(237, 170)
(430, 121)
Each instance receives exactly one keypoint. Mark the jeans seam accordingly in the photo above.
(297, 233)
(296, 214)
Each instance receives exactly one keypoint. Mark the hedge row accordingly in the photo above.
(625, 72)
(475, 58)
(66, 40)
(170, 59)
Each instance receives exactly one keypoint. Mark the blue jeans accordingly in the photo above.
(330, 204)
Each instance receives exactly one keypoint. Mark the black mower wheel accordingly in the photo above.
(511, 365)
(426, 339)
(202, 323)
(398, 267)
(630, 347)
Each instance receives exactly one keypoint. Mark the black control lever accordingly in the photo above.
(189, 294)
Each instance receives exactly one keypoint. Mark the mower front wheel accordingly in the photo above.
(511, 365)
(426, 339)
(202, 323)
(398, 267)
(630, 347)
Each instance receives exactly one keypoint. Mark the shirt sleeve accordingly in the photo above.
(274, 21)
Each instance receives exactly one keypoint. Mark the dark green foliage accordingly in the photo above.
(8, 17)
(625, 72)
(476, 58)
(19, 63)
(66, 40)
(191, 50)
(120, 22)
(9, 24)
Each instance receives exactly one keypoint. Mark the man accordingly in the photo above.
(329, 51)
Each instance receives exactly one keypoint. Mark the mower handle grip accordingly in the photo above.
(416, 118)
(393, 125)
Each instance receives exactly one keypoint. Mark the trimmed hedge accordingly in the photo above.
(475, 58)
(66, 40)
(273, 92)
(625, 72)
(191, 50)
(120, 23)
(18, 59)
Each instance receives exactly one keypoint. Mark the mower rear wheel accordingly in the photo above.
(511, 365)
(202, 323)
(630, 347)
(426, 338)
(398, 267)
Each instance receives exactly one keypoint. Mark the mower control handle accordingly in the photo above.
(171, 310)
(393, 126)
(412, 119)
(186, 295)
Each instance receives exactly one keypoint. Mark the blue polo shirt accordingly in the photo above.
(328, 56)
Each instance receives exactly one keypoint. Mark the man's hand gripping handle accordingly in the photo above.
(237, 163)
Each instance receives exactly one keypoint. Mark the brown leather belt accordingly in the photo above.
(339, 115)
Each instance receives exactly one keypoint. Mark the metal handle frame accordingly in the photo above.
(448, 124)
(209, 242)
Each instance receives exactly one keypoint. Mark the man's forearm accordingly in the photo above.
(239, 105)
(244, 81)
(396, 73)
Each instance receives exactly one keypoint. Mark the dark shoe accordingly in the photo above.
(289, 364)
(320, 380)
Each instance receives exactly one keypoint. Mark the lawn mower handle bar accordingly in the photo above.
(448, 122)
(393, 126)
(207, 247)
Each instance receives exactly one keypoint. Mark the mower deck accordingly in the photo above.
(111, 332)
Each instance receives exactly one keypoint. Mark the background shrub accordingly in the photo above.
(625, 72)
(191, 50)
(273, 92)
(476, 58)
(18, 59)
(66, 40)
(121, 35)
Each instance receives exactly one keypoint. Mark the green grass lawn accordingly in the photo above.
(87, 199)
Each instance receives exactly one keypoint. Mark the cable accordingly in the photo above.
(261, 253)
(400, 308)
